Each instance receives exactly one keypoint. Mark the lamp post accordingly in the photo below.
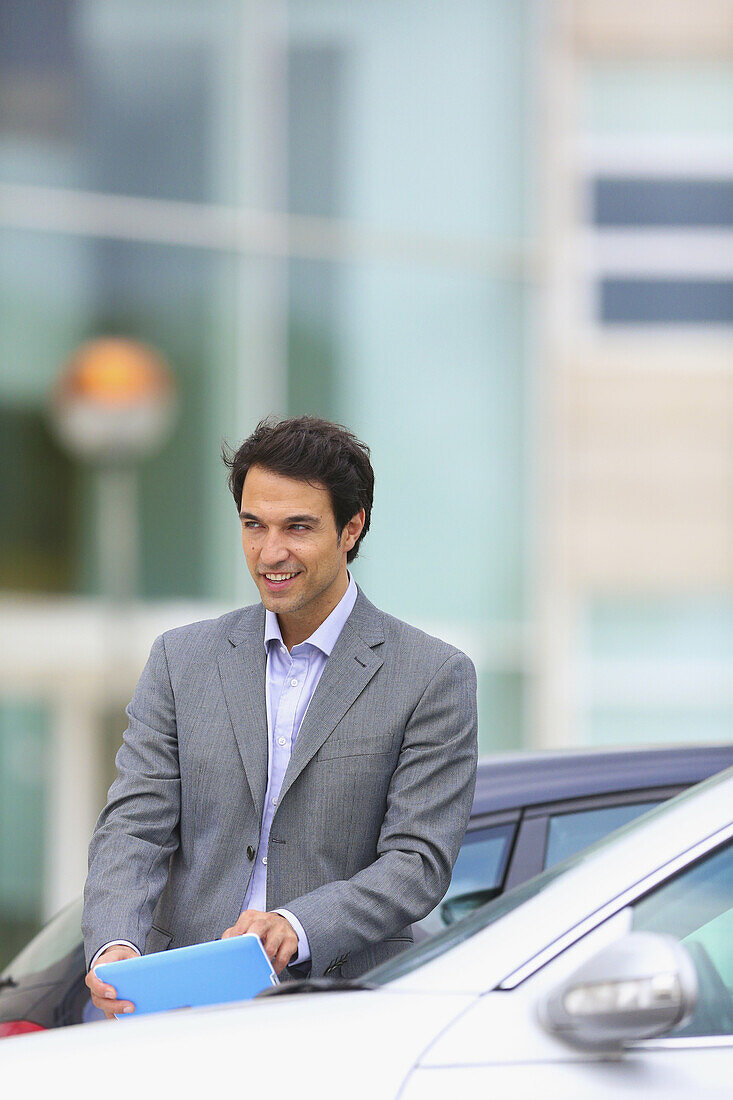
(113, 406)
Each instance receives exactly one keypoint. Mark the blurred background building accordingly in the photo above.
(494, 237)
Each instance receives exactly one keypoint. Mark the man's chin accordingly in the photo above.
(280, 604)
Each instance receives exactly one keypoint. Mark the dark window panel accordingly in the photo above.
(663, 202)
(154, 144)
(316, 142)
(666, 301)
(37, 505)
(478, 871)
(36, 34)
(316, 129)
(571, 832)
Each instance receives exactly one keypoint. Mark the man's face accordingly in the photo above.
(292, 547)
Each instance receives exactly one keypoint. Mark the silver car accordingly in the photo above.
(609, 974)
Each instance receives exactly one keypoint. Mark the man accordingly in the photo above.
(304, 769)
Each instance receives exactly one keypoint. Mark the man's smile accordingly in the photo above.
(276, 582)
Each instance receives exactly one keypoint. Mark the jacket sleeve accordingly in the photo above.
(138, 829)
(428, 807)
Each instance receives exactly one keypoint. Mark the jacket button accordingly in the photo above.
(250, 852)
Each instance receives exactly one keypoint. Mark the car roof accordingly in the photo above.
(508, 781)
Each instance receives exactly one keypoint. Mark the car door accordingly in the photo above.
(499, 1046)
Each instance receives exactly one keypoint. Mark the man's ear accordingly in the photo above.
(352, 530)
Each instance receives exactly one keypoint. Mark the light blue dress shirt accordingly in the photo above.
(291, 680)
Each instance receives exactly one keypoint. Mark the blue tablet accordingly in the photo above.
(234, 969)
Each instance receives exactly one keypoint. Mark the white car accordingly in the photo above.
(609, 974)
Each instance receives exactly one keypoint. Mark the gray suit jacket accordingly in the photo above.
(372, 811)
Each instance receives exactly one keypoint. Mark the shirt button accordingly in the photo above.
(281, 740)
(274, 802)
(264, 860)
(293, 683)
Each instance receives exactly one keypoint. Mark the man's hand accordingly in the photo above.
(104, 996)
(277, 934)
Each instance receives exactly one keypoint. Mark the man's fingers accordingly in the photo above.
(242, 925)
(103, 995)
(278, 937)
(236, 930)
(116, 1008)
(109, 1004)
(98, 988)
(271, 941)
(284, 955)
(280, 944)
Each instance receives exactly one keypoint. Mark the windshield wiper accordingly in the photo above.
(315, 985)
(11, 982)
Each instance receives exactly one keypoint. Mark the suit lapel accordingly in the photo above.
(347, 672)
(242, 671)
(242, 667)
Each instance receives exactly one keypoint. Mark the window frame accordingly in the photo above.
(617, 158)
(492, 820)
(479, 823)
(530, 843)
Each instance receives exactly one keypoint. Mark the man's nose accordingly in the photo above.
(273, 549)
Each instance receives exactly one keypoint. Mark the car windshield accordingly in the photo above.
(479, 919)
(54, 942)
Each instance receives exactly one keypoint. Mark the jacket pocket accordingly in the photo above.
(376, 745)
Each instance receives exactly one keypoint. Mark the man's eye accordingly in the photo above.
(300, 527)
(250, 523)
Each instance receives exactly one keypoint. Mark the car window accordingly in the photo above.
(569, 833)
(53, 943)
(477, 875)
(697, 908)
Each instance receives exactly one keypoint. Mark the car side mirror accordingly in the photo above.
(643, 985)
(453, 909)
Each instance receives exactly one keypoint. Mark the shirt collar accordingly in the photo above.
(326, 635)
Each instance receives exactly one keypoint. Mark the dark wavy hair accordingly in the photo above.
(309, 449)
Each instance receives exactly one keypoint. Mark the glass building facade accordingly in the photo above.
(340, 207)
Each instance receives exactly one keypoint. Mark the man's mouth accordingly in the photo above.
(277, 581)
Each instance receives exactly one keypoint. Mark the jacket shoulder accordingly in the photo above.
(412, 648)
(210, 634)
